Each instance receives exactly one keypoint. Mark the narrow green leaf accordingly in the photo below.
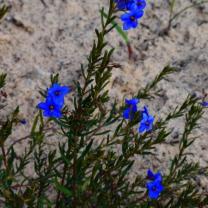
(117, 27)
(62, 189)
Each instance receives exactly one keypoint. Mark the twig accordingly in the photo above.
(20, 24)
(28, 136)
(74, 187)
(183, 10)
(43, 2)
(4, 156)
(62, 183)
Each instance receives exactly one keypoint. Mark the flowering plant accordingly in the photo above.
(98, 144)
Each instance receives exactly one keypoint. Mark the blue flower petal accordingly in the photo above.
(66, 90)
(126, 113)
(154, 189)
(42, 106)
(142, 128)
(138, 13)
(204, 104)
(140, 4)
(150, 175)
(125, 16)
(132, 101)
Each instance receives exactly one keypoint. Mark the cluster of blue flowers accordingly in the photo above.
(134, 10)
(131, 109)
(146, 124)
(54, 101)
(155, 186)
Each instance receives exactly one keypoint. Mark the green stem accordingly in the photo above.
(172, 4)
(4, 156)
(62, 183)
(93, 59)
(74, 187)
(184, 9)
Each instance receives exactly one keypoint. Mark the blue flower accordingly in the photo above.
(124, 4)
(129, 112)
(154, 189)
(146, 123)
(140, 4)
(155, 186)
(58, 92)
(54, 101)
(154, 176)
(50, 108)
(204, 104)
(130, 19)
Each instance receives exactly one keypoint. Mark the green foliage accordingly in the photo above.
(117, 27)
(6, 128)
(92, 163)
(3, 10)
(145, 92)
(2, 80)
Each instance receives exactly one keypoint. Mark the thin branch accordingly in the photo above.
(4, 156)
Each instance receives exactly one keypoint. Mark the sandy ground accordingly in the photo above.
(37, 39)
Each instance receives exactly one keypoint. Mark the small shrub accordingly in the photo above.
(92, 163)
